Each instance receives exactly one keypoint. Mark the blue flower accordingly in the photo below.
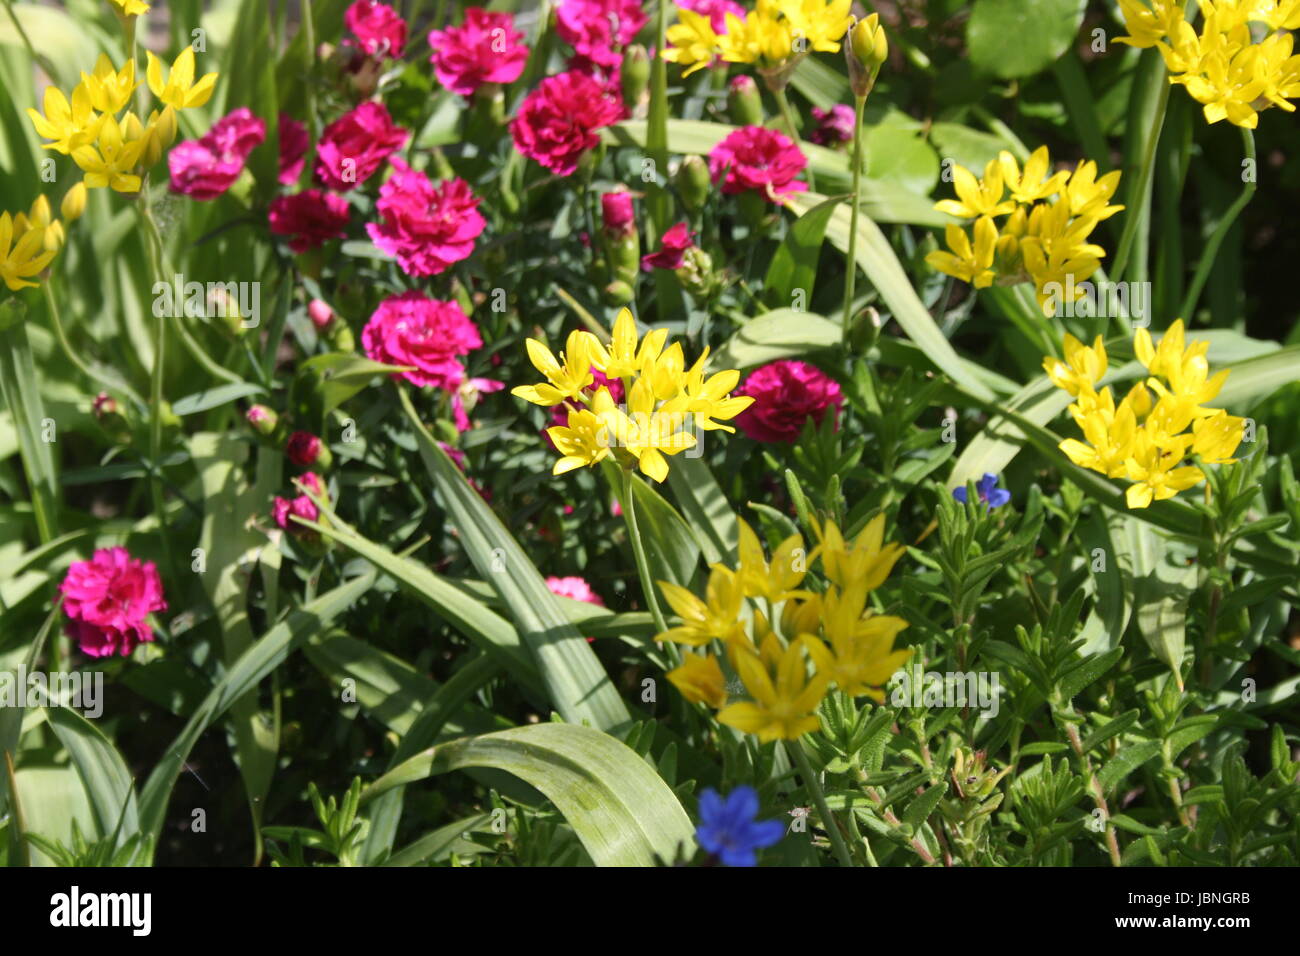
(728, 829)
(989, 492)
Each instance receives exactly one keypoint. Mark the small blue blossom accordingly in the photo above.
(728, 829)
(989, 492)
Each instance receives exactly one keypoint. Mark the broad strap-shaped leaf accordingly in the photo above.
(576, 683)
(621, 810)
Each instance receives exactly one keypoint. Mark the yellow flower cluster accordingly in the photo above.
(663, 397)
(1041, 241)
(113, 151)
(770, 35)
(1144, 440)
(29, 241)
(1232, 69)
(831, 638)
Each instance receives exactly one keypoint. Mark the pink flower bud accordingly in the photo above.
(320, 312)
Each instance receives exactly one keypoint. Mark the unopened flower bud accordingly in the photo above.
(617, 215)
(263, 420)
(867, 49)
(694, 184)
(618, 293)
(74, 203)
(635, 76)
(305, 449)
(320, 313)
(744, 103)
(695, 274)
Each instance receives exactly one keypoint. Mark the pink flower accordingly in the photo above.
(294, 143)
(599, 29)
(107, 600)
(413, 329)
(311, 481)
(617, 214)
(557, 122)
(786, 394)
(381, 31)
(834, 125)
(355, 145)
(303, 448)
(311, 217)
(760, 159)
(715, 10)
(485, 49)
(575, 588)
(672, 246)
(205, 168)
(426, 227)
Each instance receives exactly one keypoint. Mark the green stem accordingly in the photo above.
(819, 799)
(1134, 215)
(1206, 262)
(61, 334)
(31, 50)
(792, 128)
(153, 239)
(642, 564)
(851, 266)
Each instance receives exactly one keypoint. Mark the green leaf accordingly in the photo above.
(774, 335)
(1087, 671)
(489, 631)
(215, 397)
(619, 807)
(876, 258)
(794, 266)
(577, 684)
(1126, 761)
(21, 392)
(230, 546)
(252, 667)
(672, 549)
(1017, 38)
(1163, 591)
(324, 382)
(102, 770)
(1111, 728)
(705, 507)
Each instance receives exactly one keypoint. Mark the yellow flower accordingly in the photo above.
(1082, 365)
(969, 263)
(1216, 437)
(583, 441)
(861, 656)
(976, 197)
(778, 581)
(646, 433)
(718, 616)
(785, 698)
(110, 90)
(711, 399)
(1154, 470)
(1278, 70)
(870, 42)
(700, 680)
(1110, 433)
(1148, 25)
(821, 24)
(23, 259)
(108, 161)
(565, 377)
(760, 37)
(1030, 185)
(866, 563)
(624, 358)
(694, 43)
(131, 8)
(1089, 195)
(70, 125)
(180, 90)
